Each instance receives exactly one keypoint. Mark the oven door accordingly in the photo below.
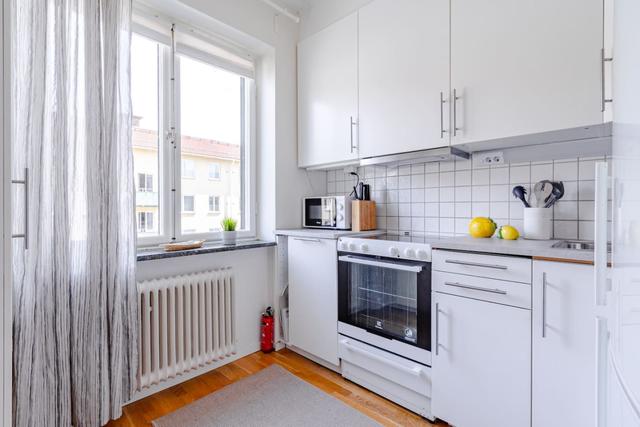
(319, 212)
(387, 297)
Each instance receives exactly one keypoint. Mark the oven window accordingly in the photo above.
(384, 300)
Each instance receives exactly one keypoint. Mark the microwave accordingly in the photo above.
(327, 212)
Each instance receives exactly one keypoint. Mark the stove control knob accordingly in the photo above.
(393, 251)
(422, 254)
(352, 246)
(344, 245)
(409, 253)
(364, 248)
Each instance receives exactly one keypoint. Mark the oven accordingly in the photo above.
(386, 302)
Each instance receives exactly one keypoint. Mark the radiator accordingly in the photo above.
(186, 322)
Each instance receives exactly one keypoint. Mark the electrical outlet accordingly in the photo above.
(488, 158)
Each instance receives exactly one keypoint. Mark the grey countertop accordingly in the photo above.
(319, 233)
(148, 254)
(520, 247)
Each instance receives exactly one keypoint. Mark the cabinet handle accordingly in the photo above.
(544, 305)
(437, 328)
(25, 234)
(442, 102)
(351, 124)
(476, 288)
(604, 59)
(307, 240)
(455, 112)
(476, 264)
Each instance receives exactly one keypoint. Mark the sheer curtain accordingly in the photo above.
(75, 337)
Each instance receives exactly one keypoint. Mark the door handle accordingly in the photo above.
(455, 112)
(476, 288)
(25, 234)
(351, 124)
(604, 59)
(442, 102)
(437, 328)
(544, 305)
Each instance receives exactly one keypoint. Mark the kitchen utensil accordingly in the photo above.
(556, 194)
(542, 190)
(519, 192)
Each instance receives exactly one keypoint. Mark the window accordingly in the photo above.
(214, 171)
(188, 203)
(192, 132)
(214, 203)
(145, 222)
(188, 168)
(145, 182)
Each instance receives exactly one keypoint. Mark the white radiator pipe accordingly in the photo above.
(283, 10)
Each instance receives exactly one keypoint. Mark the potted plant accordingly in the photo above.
(229, 232)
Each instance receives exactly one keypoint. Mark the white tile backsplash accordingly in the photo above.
(441, 197)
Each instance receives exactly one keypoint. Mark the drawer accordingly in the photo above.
(482, 288)
(513, 269)
(403, 372)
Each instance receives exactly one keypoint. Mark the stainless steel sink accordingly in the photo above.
(578, 245)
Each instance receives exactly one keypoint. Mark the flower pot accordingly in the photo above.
(229, 237)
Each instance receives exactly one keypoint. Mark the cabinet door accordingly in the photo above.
(403, 68)
(564, 345)
(313, 297)
(328, 94)
(482, 366)
(525, 66)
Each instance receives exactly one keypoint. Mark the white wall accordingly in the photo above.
(324, 13)
(253, 270)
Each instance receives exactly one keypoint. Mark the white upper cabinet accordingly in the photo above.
(403, 69)
(328, 95)
(525, 66)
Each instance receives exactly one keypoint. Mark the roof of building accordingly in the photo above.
(148, 139)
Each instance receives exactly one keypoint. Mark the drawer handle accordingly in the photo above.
(476, 288)
(307, 240)
(417, 371)
(476, 264)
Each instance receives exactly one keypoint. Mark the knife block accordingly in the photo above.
(363, 215)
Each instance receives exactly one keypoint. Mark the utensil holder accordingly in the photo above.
(538, 224)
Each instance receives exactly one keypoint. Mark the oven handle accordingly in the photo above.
(383, 264)
(417, 371)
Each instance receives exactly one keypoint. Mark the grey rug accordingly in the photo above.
(272, 397)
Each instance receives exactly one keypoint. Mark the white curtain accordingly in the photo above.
(75, 316)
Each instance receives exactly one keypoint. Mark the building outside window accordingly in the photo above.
(188, 168)
(214, 203)
(145, 182)
(145, 222)
(214, 171)
(188, 204)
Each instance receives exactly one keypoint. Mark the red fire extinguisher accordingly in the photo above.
(266, 331)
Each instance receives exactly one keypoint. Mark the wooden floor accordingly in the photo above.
(142, 412)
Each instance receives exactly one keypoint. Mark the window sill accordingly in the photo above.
(149, 254)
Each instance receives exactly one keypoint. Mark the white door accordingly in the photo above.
(328, 95)
(525, 66)
(5, 240)
(313, 297)
(481, 362)
(403, 69)
(564, 388)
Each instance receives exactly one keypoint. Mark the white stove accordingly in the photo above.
(386, 245)
(384, 317)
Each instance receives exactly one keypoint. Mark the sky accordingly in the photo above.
(210, 97)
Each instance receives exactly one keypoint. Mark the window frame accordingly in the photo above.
(219, 170)
(170, 160)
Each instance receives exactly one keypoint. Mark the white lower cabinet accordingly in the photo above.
(564, 347)
(313, 297)
(481, 362)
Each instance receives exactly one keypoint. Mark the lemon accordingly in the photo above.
(482, 227)
(508, 232)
